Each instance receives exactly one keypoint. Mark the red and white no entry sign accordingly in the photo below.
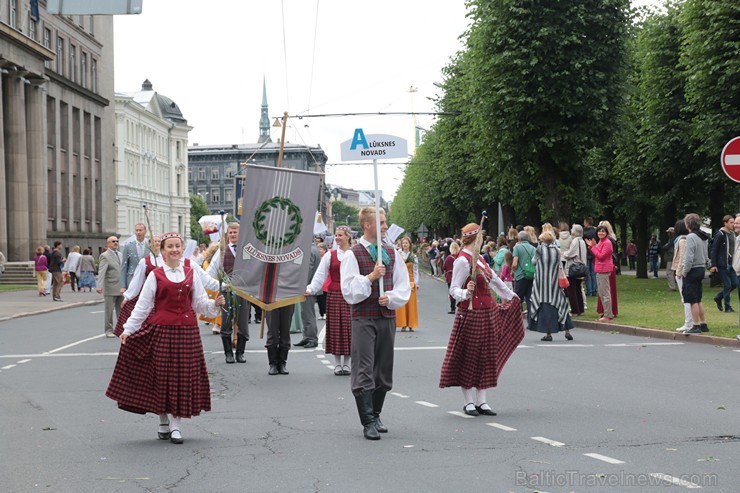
(731, 159)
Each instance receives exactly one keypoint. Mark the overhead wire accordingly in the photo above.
(313, 55)
(285, 54)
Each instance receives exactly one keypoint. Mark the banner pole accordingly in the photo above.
(377, 224)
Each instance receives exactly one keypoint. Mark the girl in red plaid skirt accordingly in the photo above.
(338, 317)
(161, 368)
(483, 338)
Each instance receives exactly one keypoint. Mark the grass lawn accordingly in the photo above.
(648, 303)
(15, 288)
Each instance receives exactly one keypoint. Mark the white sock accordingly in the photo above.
(347, 359)
(163, 419)
(176, 425)
(480, 399)
(337, 360)
(467, 396)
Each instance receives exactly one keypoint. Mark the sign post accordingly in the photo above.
(363, 147)
(731, 159)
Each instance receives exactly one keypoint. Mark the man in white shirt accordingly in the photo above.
(373, 317)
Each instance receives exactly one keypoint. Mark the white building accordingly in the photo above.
(151, 152)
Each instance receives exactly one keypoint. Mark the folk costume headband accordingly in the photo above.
(167, 236)
(470, 230)
(346, 229)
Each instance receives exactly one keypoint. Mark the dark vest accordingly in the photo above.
(228, 260)
(482, 294)
(369, 308)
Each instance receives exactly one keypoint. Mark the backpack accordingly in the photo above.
(528, 268)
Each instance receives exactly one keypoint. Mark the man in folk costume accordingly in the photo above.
(133, 252)
(242, 323)
(483, 338)
(373, 317)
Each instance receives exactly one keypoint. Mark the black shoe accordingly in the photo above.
(380, 426)
(547, 338)
(302, 343)
(282, 359)
(310, 345)
(694, 330)
(273, 369)
(470, 412)
(240, 358)
(485, 412)
(451, 312)
(241, 344)
(704, 328)
(365, 410)
(272, 358)
(719, 303)
(378, 400)
(568, 336)
(729, 310)
(164, 435)
(228, 349)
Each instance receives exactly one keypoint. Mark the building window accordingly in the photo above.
(228, 195)
(201, 174)
(228, 173)
(215, 195)
(190, 175)
(94, 75)
(179, 150)
(60, 55)
(32, 25)
(13, 17)
(47, 44)
(214, 173)
(72, 62)
(83, 69)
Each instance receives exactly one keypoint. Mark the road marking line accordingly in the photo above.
(426, 404)
(327, 362)
(419, 347)
(460, 414)
(23, 361)
(400, 395)
(501, 427)
(604, 458)
(7, 367)
(74, 344)
(637, 344)
(548, 441)
(321, 356)
(676, 481)
(101, 311)
(565, 345)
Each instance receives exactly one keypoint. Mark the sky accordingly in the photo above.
(316, 56)
(340, 57)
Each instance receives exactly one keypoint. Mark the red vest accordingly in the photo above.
(173, 304)
(228, 260)
(334, 265)
(369, 308)
(149, 265)
(482, 294)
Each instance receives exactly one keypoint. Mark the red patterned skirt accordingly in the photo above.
(338, 324)
(480, 345)
(161, 369)
(124, 314)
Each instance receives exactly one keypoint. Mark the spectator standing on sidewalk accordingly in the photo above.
(41, 268)
(109, 283)
(631, 252)
(680, 231)
(87, 271)
(668, 251)
(694, 267)
(433, 252)
(654, 255)
(72, 267)
(589, 233)
(55, 267)
(603, 266)
(723, 248)
(2, 264)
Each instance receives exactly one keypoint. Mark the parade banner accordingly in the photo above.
(279, 206)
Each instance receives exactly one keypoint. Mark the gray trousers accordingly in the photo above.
(308, 316)
(603, 287)
(242, 323)
(670, 275)
(372, 354)
(112, 303)
(278, 326)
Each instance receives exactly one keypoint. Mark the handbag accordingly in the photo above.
(578, 269)
(562, 280)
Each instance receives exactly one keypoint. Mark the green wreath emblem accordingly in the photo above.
(260, 216)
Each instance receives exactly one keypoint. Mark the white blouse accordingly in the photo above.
(322, 272)
(461, 271)
(356, 288)
(134, 287)
(145, 305)
(415, 269)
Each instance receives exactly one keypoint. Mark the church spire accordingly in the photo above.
(264, 117)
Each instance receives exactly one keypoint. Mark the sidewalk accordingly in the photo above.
(22, 303)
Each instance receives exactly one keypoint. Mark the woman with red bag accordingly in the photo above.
(549, 305)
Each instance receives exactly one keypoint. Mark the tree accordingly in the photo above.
(198, 209)
(345, 214)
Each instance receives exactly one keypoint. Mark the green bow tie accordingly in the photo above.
(372, 249)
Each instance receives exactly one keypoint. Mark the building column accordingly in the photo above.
(36, 149)
(3, 193)
(16, 174)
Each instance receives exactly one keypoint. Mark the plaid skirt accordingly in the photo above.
(338, 324)
(123, 316)
(480, 345)
(161, 369)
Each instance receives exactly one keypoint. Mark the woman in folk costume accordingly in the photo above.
(483, 338)
(207, 258)
(338, 317)
(146, 265)
(549, 305)
(408, 314)
(161, 368)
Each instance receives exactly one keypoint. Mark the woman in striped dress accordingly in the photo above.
(483, 337)
(549, 304)
(338, 339)
(161, 368)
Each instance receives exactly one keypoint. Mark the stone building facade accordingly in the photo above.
(56, 166)
(151, 154)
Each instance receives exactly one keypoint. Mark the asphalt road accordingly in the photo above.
(605, 412)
